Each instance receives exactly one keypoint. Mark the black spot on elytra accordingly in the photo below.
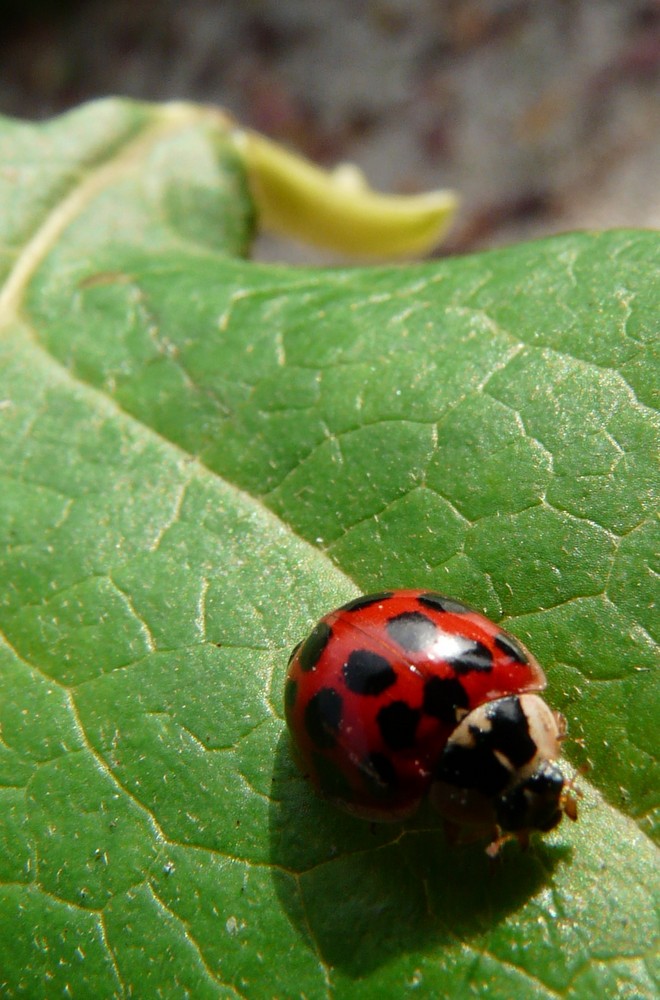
(364, 602)
(294, 651)
(509, 731)
(398, 724)
(511, 647)
(441, 603)
(290, 694)
(412, 630)
(442, 696)
(474, 767)
(379, 772)
(368, 673)
(470, 655)
(322, 717)
(312, 648)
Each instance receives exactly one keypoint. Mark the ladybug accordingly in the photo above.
(405, 693)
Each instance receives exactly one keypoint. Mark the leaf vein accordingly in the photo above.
(182, 924)
(72, 204)
(107, 771)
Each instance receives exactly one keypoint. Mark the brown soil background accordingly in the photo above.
(544, 116)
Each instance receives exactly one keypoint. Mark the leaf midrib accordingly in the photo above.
(170, 119)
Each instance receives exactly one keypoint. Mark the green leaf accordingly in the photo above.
(200, 456)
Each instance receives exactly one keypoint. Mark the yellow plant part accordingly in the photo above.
(337, 209)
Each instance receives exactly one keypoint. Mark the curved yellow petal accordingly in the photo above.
(337, 210)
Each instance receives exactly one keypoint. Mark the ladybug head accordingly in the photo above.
(535, 803)
(499, 768)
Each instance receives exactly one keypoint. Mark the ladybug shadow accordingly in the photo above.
(359, 893)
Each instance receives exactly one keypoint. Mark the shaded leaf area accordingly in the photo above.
(199, 457)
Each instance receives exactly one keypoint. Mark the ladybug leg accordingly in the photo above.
(569, 799)
(494, 848)
(562, 726)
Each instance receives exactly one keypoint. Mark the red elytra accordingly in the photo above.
(376, 690)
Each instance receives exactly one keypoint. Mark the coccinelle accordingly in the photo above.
(405, 693)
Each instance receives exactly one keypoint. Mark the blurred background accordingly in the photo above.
(544, 116)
